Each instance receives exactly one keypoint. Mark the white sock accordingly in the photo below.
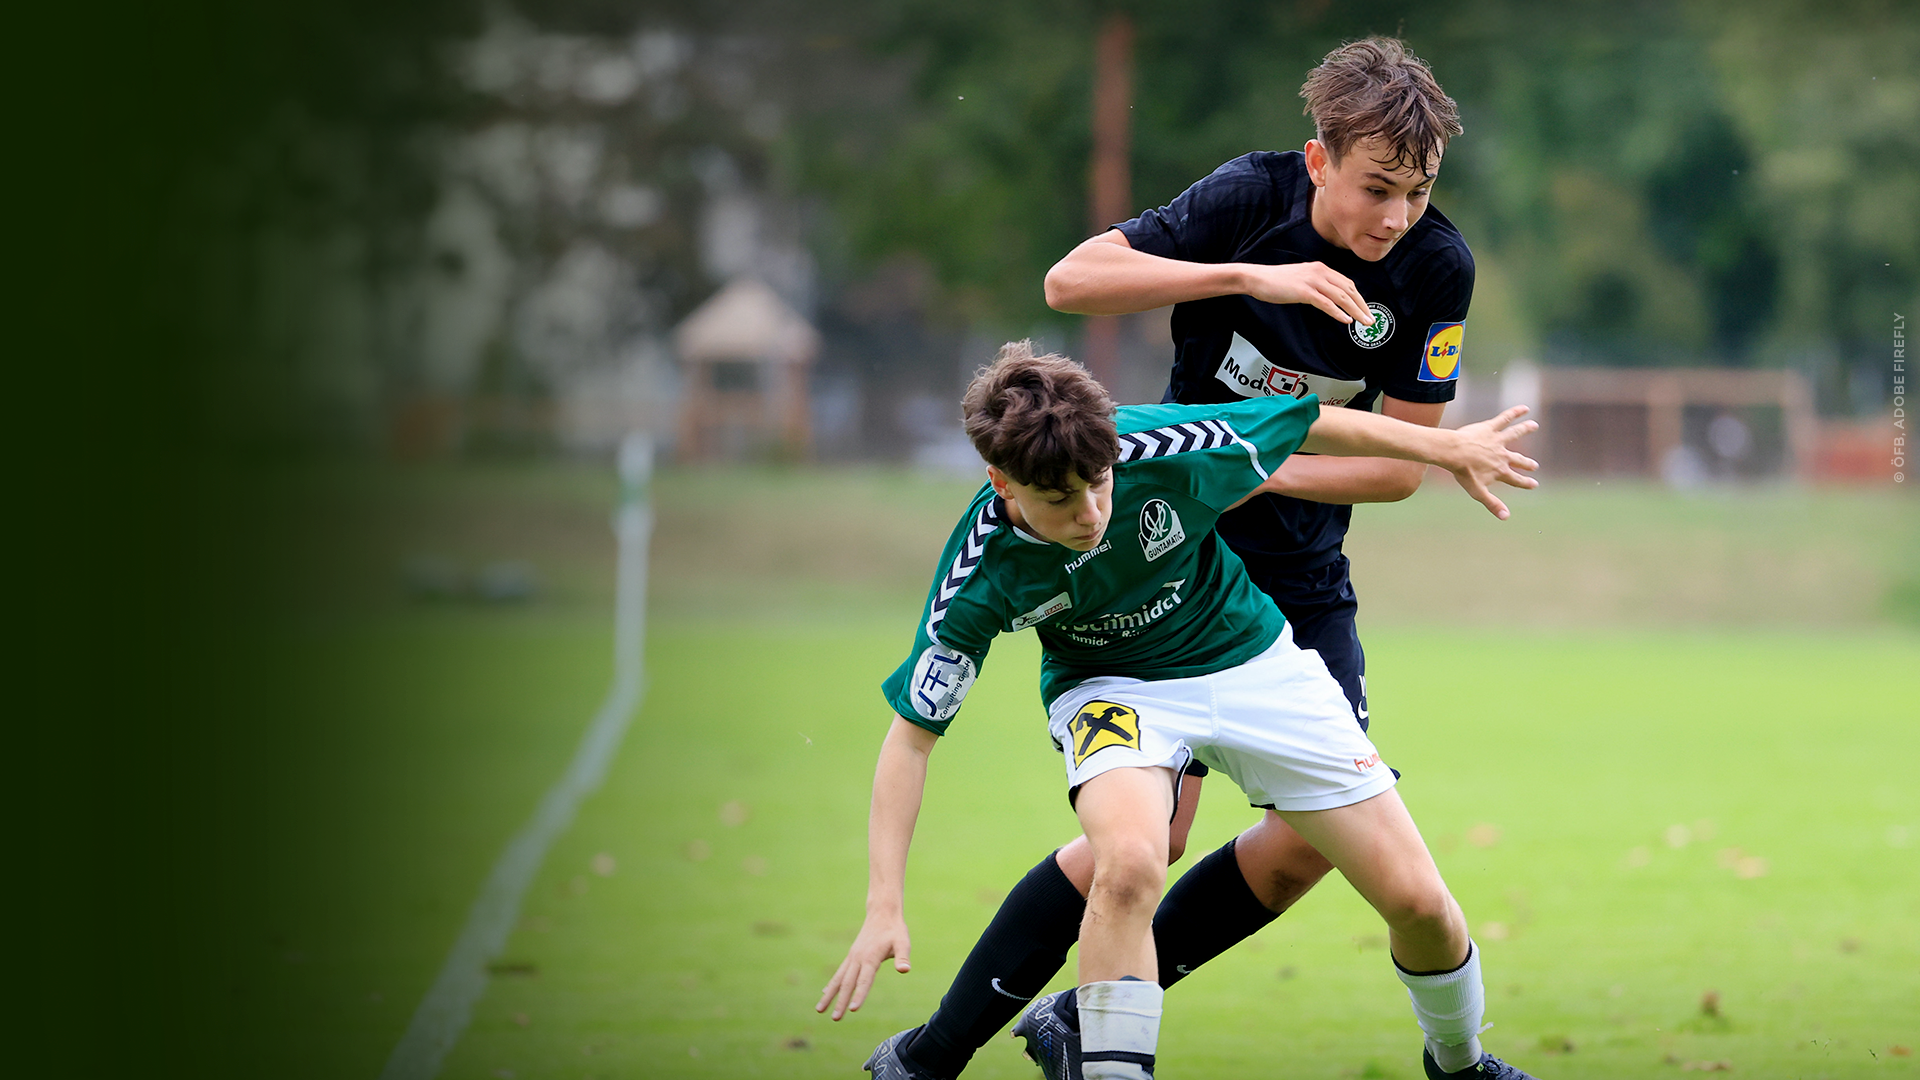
(1450, 1007)
(1119, 1029)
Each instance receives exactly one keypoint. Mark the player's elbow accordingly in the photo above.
(1061, 287)
(1403, 481)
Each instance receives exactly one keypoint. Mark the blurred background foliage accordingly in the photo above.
(375, 208)
(1642, 183)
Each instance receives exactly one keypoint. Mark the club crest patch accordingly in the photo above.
(941, 679)
(1100, 724)
(1372, 337)
(1440, 361)
(1160, 529)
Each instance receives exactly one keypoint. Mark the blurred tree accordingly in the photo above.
(1661, 184)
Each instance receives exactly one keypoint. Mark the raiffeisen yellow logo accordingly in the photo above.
(1440, 362)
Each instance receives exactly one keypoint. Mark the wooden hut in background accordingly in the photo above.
(744, 359)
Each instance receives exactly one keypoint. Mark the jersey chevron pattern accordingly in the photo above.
(968, 557)
(1159, 597)
(1178, 438)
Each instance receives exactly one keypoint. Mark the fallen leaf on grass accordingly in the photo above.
(734, 814)
(798, 1042)
(1707, 1066)
(1556, 1044)
(698, 851)
(604, 865)
(771, 928)
(1483, 835)
(1494, 931)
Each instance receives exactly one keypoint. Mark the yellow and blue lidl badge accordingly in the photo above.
(1100, 724)
(1441, 360)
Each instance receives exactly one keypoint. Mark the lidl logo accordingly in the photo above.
(1441, 360)
(1100, 724)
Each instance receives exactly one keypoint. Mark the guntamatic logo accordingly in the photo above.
(1160, 530)
(1372, 337)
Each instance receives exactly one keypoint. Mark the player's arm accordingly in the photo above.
(899, 781)
(1477, 455)
(1107, 276)
(1347, 480)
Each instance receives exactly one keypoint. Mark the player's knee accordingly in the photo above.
(1426, 913)
(1131, 875)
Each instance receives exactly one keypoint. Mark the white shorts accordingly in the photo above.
(1278, 724)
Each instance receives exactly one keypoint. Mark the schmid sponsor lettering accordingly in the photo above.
(1126, 625)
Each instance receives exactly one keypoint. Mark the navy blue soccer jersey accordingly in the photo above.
(1256, 209)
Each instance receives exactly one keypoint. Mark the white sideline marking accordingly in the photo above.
(443, 1014)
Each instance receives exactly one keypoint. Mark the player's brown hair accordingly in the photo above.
(1375, 87)
(1040, 419)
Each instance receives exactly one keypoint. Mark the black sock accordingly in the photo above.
(1022, 948)
(1208, 911)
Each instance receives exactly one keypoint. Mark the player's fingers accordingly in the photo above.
(848, 996)
(902, 961)
(1508, 416)
(1509, 435)
(832, 987)
(864, 984)
(1326, 302)
(1487, 498)
(1352, 300)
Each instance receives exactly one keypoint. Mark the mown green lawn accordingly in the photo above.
(1558, 704)
(1630, 820)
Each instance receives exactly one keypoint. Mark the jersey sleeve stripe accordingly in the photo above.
(964, 562)
(1181, 438)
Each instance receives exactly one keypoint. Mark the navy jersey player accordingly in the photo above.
(1322, 271)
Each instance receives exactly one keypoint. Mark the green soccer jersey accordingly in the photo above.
(1160, 597)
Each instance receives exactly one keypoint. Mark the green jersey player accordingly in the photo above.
(1096, 530)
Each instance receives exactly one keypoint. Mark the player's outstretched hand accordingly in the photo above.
(1483, 456)
(1309, 283)
(881, 937)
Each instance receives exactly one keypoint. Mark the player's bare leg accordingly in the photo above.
(1075, 860)
(1278, 863)
(1378, 849)
(1124, 814)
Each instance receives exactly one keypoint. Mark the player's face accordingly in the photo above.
(1365, 204)
(1075, 518)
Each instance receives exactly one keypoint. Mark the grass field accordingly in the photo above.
(1697, 792)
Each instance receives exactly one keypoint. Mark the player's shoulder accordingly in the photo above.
(1267, 175)
(1436, 249)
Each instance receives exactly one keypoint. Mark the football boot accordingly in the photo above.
(1488, 1068)
(1052, 1043)
(885, 1062)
